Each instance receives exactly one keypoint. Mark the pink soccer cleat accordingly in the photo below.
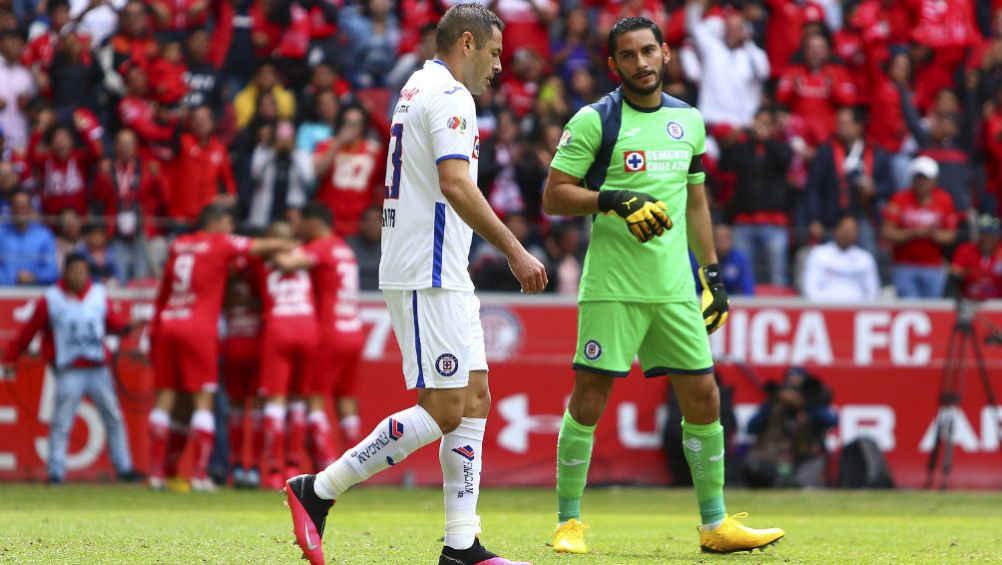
(475, 555)
(309, 515)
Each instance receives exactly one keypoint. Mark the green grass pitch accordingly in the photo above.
(110, 524)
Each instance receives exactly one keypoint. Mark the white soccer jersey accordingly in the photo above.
(425, 243)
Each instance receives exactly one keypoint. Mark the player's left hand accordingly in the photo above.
(714, 300)
(646, 216)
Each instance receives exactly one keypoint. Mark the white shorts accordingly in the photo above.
(440, 336)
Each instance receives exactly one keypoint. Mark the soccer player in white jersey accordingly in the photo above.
(432, 206)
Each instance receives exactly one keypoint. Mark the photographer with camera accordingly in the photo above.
(976, 269)
(791, 425)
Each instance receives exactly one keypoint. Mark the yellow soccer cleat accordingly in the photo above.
(731, 536)
(178, 485)
(569, 538)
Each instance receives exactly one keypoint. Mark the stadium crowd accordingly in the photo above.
(877, 123)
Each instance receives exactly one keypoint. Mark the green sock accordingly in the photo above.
(573, 456)
(704, 450)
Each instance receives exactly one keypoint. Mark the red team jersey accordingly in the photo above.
(185, 327)
(289, 341)
(242, 346)
(906, 211)
(335, 280)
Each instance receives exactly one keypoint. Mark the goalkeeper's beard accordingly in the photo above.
(632, 86)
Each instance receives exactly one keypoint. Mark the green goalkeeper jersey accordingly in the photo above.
(613, 145)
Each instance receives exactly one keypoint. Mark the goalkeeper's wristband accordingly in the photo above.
(607, 199)
(713, 274)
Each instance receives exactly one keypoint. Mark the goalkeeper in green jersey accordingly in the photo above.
(635, 156)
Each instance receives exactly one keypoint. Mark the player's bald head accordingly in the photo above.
(474, 18)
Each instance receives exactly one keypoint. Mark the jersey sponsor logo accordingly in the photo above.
(456, 123)
(630, 132)
(476, 148)
(675, 130)
(465, 452)
(565, 139)
(592, 350)
(453, 90)
(447, 364)
(634, 161)
(396, 429)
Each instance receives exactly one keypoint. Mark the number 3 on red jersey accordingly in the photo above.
(392, 188)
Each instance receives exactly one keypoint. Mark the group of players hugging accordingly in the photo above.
(290, 340)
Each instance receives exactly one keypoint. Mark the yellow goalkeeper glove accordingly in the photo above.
(646, 216)
(714, 300)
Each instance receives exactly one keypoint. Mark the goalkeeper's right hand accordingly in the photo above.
(646, 217)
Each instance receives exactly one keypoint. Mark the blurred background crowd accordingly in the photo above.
(854, 147)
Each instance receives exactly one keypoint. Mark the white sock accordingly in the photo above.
(394, 438)
(712, 525)
(350, 421)
(297, 409)
(159, 418)
(461, 456)
(274, 411)
(202, 420)
(319, 418)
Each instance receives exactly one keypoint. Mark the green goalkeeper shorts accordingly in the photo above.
(669, 338)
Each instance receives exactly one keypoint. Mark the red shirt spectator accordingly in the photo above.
(992, 136)
(169, 70)
(980, 267)
(527, 24)
(40, 51)
(135, 188)
(920, 221)
(813, 90)
(133, 42)
(785, 29)
(613, 11)
(521, 88)
(891, 130)
(62, 169)
(180, 15)
(201, 172)
(138, 113)
(350, 171)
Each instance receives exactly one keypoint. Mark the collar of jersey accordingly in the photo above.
(642, 108)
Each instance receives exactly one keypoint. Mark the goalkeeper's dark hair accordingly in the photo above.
(633, 23)
(212, 213)
(474, 18)
(318, 211)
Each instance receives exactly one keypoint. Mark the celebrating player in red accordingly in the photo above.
(241, 373)
(335, 279)
(288, 357)
(184, 332)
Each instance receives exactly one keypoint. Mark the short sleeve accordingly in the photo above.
(451, 119)
(697, 174)
(579, 143)
(312, 253)
(892, 212)
(237, 245)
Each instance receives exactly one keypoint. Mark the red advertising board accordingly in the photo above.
(883, 362)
